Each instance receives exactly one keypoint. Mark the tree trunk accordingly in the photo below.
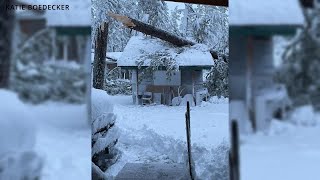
(100, 56)
(6, 29)
(159, 33)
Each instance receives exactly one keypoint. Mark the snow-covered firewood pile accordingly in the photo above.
(104, 132)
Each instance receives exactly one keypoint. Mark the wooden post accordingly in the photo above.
(189, 141)
(249, 92)
(234, 160)
(100, 56)
(137, 86)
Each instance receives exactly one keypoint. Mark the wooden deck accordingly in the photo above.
(154, 171)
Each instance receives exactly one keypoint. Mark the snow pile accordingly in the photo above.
(280, 127)
(100, 103)
(17, 140)
(304, 116)
(157, 134)
(215, 100)
(147, 146)
(104, 132)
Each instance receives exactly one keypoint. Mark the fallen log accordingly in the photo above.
(159, 33)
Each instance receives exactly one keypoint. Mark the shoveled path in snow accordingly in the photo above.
(156, 133)
(63, 139)
(293, 154)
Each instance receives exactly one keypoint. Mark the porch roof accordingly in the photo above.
(265, 13)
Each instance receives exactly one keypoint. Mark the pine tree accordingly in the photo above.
(118, 36)
(300, 69)
(154, 13)
(175, 17)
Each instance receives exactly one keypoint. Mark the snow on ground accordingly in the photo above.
(157, 134)
(64, 140)
(58, 133)
(288, 152)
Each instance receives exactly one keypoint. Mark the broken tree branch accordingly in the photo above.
(159, 33)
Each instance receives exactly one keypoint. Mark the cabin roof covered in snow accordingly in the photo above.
(265, 12)
(78, 15)
(141, 49)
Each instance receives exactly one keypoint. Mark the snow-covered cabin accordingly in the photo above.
(71, 29)
(188, 62)
(253, 23)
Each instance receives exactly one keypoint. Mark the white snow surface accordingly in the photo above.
(139, 46)
(55, 134)
(156, 134)
(286, 151)
(265, 12)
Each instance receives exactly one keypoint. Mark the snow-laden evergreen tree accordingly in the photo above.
(185, 27)
(175, 18)
(300, 70)
(118, 36)
(209, 25)
(155, 13)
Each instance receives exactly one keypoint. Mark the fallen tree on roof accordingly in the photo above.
(159, 33)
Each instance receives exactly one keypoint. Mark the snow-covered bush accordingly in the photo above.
(279, 127)
(37, 79)
(17, 139)
(104, 132)
(304, 116)
(37, 83)
(114, 85)
(118, 86)
(300, 68)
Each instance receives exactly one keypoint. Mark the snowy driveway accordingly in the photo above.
(157, 133)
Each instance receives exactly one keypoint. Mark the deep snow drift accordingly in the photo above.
(157, 134)
(55, 136)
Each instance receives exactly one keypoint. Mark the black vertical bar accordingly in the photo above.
(234, 156)
(189, 140)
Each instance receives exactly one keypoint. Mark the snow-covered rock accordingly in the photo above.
(176, 101)
(186, 98)
(279, 127)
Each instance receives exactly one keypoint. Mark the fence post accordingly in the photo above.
(189, 141)
(234, 160)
